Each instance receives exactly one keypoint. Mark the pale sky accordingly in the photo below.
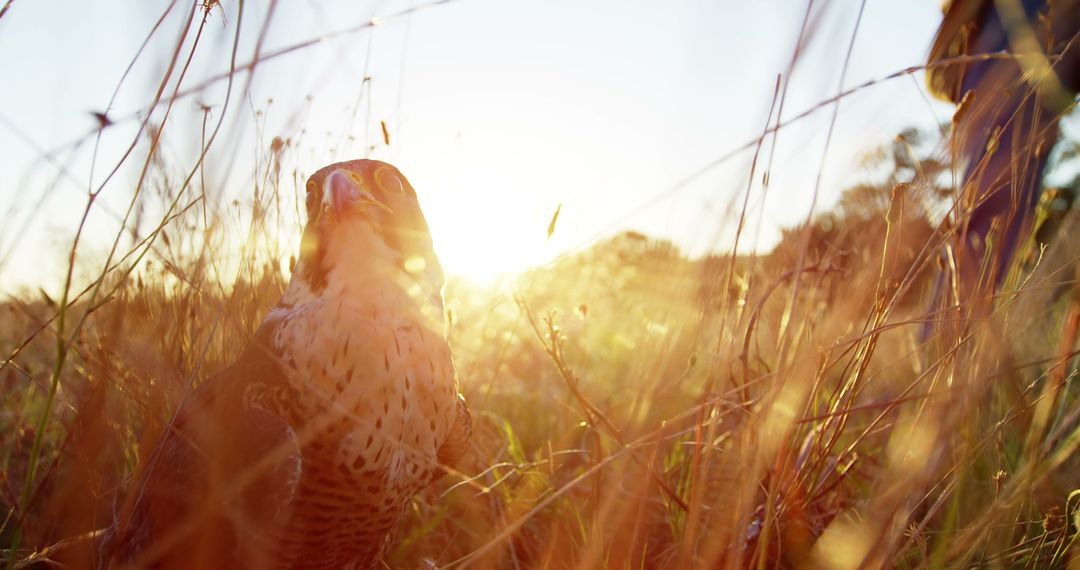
(498, 111)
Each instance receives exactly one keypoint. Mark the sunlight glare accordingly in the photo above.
(488, 248)
(482, 230)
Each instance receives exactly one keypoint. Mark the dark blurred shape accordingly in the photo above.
(102, 119)
(1009, 104)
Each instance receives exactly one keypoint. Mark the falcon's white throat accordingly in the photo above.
(362, 270)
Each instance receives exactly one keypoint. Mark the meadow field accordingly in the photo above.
(634, 406)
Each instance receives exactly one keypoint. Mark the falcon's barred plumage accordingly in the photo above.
(304, 452)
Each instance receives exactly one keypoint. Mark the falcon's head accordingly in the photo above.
(365, 232)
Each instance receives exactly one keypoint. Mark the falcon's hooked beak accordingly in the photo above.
(343, 191)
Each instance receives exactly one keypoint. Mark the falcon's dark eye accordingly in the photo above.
(388, 181)
(312, 198)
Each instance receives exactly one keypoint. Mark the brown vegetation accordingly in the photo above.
(634, 408)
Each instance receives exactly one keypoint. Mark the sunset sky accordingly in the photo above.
(498, 111)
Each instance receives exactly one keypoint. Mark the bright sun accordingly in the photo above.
(482, 252)
(482, 231)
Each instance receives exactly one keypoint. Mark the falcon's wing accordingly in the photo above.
(457, 441)
(221, 479)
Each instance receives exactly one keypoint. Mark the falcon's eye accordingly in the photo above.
(312, 197)
(388, 181)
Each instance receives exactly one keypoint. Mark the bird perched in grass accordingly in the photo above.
(304, 452)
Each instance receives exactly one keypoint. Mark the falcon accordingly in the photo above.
(304, 452)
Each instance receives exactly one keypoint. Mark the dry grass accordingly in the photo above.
(633, 408)
(629, 413)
